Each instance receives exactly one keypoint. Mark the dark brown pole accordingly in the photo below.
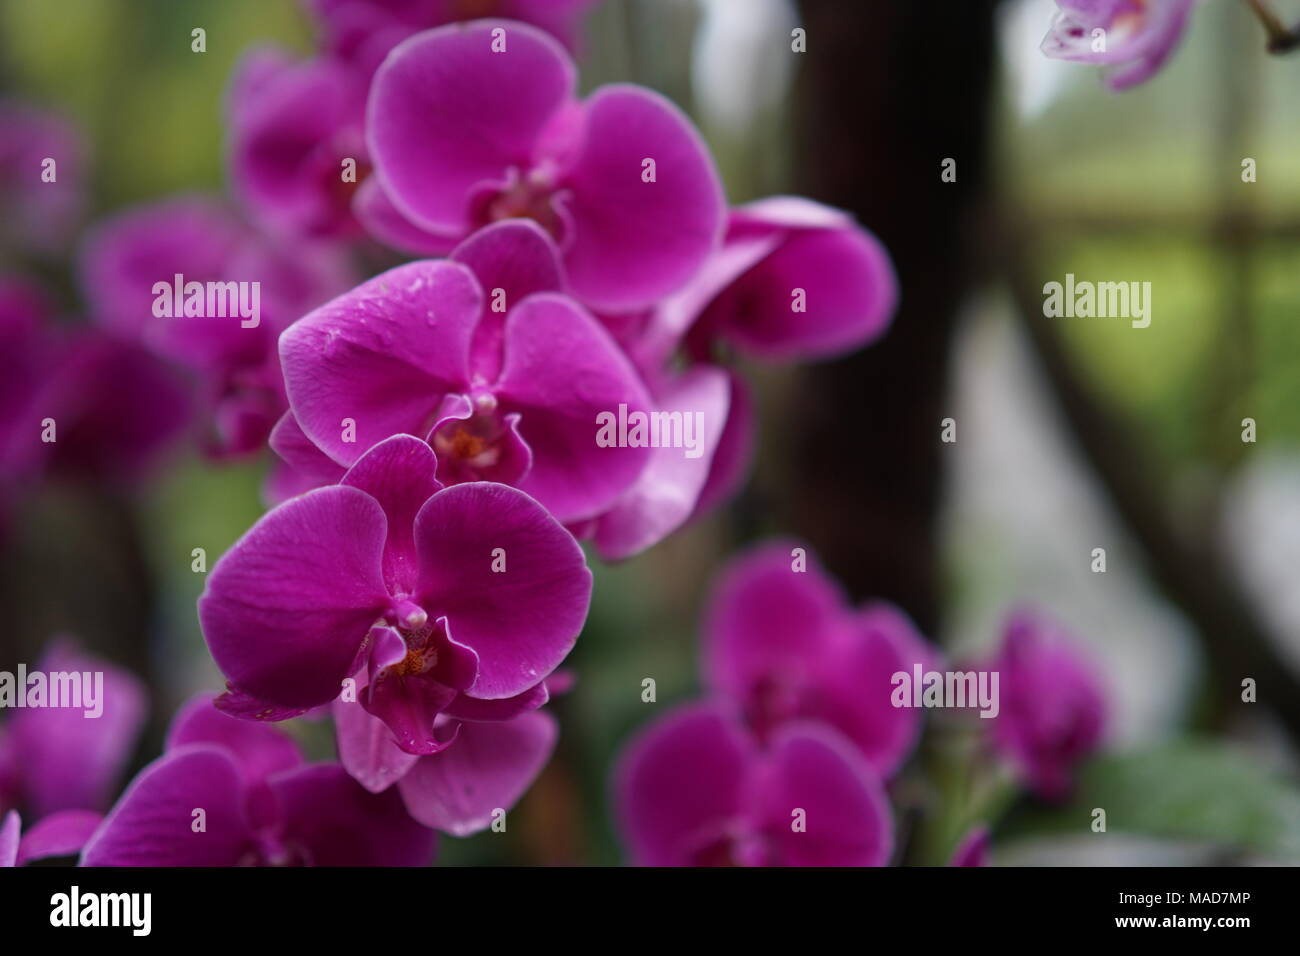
(888, 90)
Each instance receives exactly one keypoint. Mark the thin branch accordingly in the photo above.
(1280, 39)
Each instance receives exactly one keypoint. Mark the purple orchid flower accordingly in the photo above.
(668, 490)
(495, 750)
(784, 645)
(794, 280)
(696, 789)
(36, 212)
(361, 32)
(77, 402)
(483, 356)
(1132, 37)
(292, 127)
(60, 834)
(1053, 708)
(232, 356)
(230, 792)
(118, 409)
(57, 758)
(470, 124)
(451, 598)
(973, 849)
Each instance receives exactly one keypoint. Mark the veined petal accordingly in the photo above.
(399, 474)
(381, 356)
(634, 241)
(446, 111)
(367, 748)
(488, 768)
(257, 749)
(286, 610)
(59, 834)
(521, 621)
(333, 821)
(562, 371)
(153, 824)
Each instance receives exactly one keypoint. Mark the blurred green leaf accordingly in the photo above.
(1194, 790)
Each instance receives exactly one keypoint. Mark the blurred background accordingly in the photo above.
(1073, 434)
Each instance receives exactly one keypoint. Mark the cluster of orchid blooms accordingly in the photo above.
(419, 577)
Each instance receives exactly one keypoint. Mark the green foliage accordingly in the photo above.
(1189, 790)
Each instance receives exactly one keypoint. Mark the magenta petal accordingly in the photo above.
(291, 128)
(118, 407)
(257, 70)
(673, 317)
(385, 647)
(667, 491)
(849, 296)
(973, 850)
(457, 665)
(854, 688)
(155, 823)
(1052, 703)
(312, 466)
(511, 260)
(59, 834)
(767, 628)
(509, 458)
(516, 256)
(124, 256)
(681, 785)
(488, 768)
(38, 215)
(259, 750)
(446, 112)
(286, 609)
(381, 356)
(377, 214)
(367, 749)
(399, 474)
(634, 241)
(236, 703)
(762, 216)
(10, 829)
(68, 760)
(332, 821)
(562, 370)
(409, 705)
(735, 451)
(471, 708)
(846, 817)
(1140, 37)
(283, 482)
(521, 621)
